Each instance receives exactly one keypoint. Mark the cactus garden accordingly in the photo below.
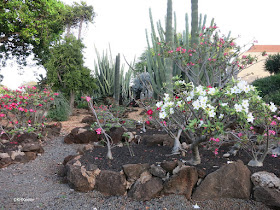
(175, 129)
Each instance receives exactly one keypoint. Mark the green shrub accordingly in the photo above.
(272, 64)
(269, 88)
(60, 109)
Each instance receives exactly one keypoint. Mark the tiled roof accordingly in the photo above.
(267, 48)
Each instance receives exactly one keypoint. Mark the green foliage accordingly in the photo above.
(65, 70)
(105, 77)
(60, 109)
(269, 88)
(272, 64)
(29, 27)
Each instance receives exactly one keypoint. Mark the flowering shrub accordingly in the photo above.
(214, 61)
(25, 107)
(203, 113)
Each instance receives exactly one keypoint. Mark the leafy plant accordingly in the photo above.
(60, 109)
(269, 88)
(272, 64)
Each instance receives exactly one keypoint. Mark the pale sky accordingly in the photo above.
(122, 24)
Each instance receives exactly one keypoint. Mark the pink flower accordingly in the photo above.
(158, 54)
(216, 151)
(2, 115)
(273, 123)
(178, 49)
(56, 94)
(150, 117)
(98, 131)
(274, 155)
(34, 88)
(252, 128)
(164, 123)
(271, 132)
(88, 98)
(239, 135)
(150, 112)
(31, 110)
(52, 99)
(148, 122)
(183, 50)
(225, 54)
(190, 54)
(232, 44)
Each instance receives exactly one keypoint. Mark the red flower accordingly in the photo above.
(148, 122)
(150, 112)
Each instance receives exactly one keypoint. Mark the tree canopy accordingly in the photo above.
(66, 70)
(28, 27)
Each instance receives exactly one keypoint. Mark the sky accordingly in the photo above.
(122, 23)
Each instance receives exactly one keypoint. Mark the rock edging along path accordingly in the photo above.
(35, 185)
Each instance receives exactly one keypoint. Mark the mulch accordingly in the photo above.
(156, 154)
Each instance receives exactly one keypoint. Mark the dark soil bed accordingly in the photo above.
(154, 154)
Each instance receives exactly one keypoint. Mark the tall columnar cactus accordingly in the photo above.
(159, 67)
(105, 71)
(117, 87)
(194, 32)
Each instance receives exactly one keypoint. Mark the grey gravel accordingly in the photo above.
(36, 185)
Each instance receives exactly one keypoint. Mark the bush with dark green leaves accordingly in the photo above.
(272, 64)
(60, 109)
(269, 88)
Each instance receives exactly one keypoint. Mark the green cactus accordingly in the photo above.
(117, 87)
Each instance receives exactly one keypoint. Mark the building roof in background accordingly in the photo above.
(267, 48)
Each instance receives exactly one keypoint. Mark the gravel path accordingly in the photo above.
(35, 185)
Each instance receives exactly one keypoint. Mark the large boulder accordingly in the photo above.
(158, 139)
(133, 171)
(266, 188)
(147, 190)
(79, 178)
(182, 182)
(169, 166)
(111, 183)
(89, 120)
(116, 133)
(81, 135)
(32, 147)
(230, 181)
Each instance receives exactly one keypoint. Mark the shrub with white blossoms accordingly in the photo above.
(203, 113)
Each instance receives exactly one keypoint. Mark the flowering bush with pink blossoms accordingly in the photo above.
(24, 108)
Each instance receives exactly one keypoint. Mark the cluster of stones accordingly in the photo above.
(23, 154)
(144, 181)
(29, 148)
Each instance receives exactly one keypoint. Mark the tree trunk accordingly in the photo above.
(68, 30)
(80, 29)
(72, 100)
(195, 155)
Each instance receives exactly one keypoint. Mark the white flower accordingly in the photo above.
(224, 104)
(259, 98)
(179, 103)
(272, 107)
(238, 107)
(250, 117)
(235, 90)
(201, 123)
(245, 103)
(190, 95)
(211, 91)
(166, 97)
(196, 104)
(171, 111)
(221, 116)
(203, 99)
(246, 89)
(210, 106)
(162, 115)
(170, 103)
(159, 104)
(212, 113)
(196, 206)
(241, 84)
(200, 90)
